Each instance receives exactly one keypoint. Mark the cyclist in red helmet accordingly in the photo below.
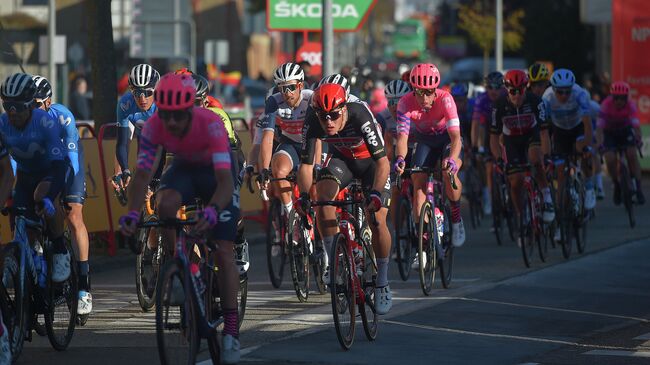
(357, 148)
(520, 117)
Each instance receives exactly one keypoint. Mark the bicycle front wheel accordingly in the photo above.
(580, 223)
(404, 238)
(566, 220)
(147, 267)
(61, 316)
(275, 243)
(298, 250)
(343, 292)
(626, 193)
(526, 229)
(13, 298)
(446, 252)
(427, 236)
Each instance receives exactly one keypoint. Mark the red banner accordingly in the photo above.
(631, 50)
(311, 52)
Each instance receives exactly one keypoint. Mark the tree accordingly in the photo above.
(102, 57)
(480, 25)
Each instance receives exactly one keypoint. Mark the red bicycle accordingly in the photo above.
(531, 229)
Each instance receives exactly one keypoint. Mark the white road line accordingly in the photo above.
(643, 337)
(618, 353)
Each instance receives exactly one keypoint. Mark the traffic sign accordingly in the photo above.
(311, 52)
(306, 15)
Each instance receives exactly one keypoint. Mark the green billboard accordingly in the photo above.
(306, 15)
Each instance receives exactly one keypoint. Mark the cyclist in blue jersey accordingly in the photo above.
(133, 109)
(465, 107)
(74, 193)
(33, 139)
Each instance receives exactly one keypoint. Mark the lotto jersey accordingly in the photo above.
(567, 115)
(611, 118)
(284, 120)
(518, 121)
(440, 118)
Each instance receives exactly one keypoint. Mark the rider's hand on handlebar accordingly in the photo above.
(302, 204)
(126, 178)
(373, 201)
(265, 177)
(450, 165)
(399, 165)
(208, 218)
(129, 222)
(116, 181)
(248, 176)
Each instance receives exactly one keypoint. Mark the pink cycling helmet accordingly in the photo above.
(425, 76)
(175, 92)
(620, 88)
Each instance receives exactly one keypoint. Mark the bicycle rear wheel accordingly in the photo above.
(404, 238)
(147, 267)
(566, 220)
(298, 250)
(15, 302)
(580, 223)
(526, 229)
(343, 292)
(427, 239)
(474, 196)
(446, 256)
(626, 193)
(213, 311)
(275, 243)
(176, 331)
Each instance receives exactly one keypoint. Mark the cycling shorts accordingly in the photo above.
(517, 150)
(429, 150)
(617, 138)
(291, 150)
(343, 171)
(564, 140)
(23, 194)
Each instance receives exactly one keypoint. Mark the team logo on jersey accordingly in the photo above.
(225, 216)
(64, 121)
(72, 146)
(47, 122)
(371, 136)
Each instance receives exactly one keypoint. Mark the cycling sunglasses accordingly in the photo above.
(515, 90)
(423, 92)
(176, 114)
(493, 86)
(16, 106)
(288, 88)
(333, 115)
(562, 91)
(142, 92)
(393, 101)
(620, 97)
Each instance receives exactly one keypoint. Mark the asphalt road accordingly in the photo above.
(593, 308)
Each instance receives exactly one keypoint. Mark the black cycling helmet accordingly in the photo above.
(494, 79)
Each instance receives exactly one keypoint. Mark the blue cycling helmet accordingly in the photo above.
(459, 89)
(563, 78)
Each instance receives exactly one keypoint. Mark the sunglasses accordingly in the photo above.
(563, 91)
(423, 92)
(288, 88)
(176, 114)
(142, 92)
(493, 86)
(515, 91)
(393, 101)
(16, 106)
(333, 115)
(620, 97)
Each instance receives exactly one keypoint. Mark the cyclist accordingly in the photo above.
(437, 131)
(201, 168)
(5, 347)
(133, 109)
(538, 78)
(480, 135)
(465, 108)
(284, 114)
(567, 107)
(357, 149)
(520, 118)
(33, 139)
(618, 126)
(598, 166)
(74, 193)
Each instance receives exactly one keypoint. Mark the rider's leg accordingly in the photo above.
(282, 165)
(80, 238)
(228, 284)
(168, 202)
(326, 189)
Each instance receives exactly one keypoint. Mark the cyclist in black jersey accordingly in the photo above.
(357, 149)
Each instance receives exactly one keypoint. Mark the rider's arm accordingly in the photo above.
(70, 138)
(122, 146)
(6, 176)
(266, 149)
(58, 167)
(149, 156)
(456, 143)
(453, 126)
(403, 129)
(496, 128)
(375, 143)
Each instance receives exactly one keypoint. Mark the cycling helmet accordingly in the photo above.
(538, 72)
(183, 71)
(515, 79)
(459, 89)
(288, 72)
(406, 76)
(328, 97)
(18, 87)
(214, 102)
(175, 92)
(397, 89)
(336, 79)
(563, 78)
(620, 88)
(143, 76)
(494, 79)
(425, 76)
(202, 86)
(43, 88)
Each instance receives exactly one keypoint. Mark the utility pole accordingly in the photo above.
(499, 37)
(328, 38)
(51, 33)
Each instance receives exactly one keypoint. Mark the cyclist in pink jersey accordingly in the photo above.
(432, 112)
(201, 168)
(618, 126)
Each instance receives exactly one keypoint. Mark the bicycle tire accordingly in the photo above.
(526, 229)
(566, 220)
(343, 293)
(143, 279)
(497, 209)
(369, 317)
(298, 252)
(626, 193)
(275, 217)
(185, 322)
(213, 311)
(446, 262)
(404, 239)
(580, 223)
(427, 270)
(13, 294)
(242, 297)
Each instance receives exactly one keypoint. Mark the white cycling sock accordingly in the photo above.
(288, 207)
(547, 195)
(327, 245)
(382, 272)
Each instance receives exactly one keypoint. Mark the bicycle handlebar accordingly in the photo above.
(433, 170)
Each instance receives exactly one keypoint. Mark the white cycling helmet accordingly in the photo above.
(288, 72)
(18, 87)
(335, 79)
(143, 76)
(397, 89)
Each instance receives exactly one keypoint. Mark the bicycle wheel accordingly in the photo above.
(404, 238)
(526, 229)
(213, 310)
(343, 292)
(497, 209)
(474, 196)
(446, 253)
(15, 302)
(510, 216)
(318, 267)
(427, 239)
(275, 247)
(369, 317)
(242, 296)
(147, 267)
(626, 193)
(566, 220)
(61, 313)
(298, 251)
(580, 223)
(176, 331)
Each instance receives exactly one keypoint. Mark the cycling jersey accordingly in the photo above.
(359, 139)
(385, 118)
(439, 119)
(205, 143)
(567, 115)
(131, 122)
(126, 106)
(283, 119)
(482, 108)
(611, 118)
(70, 134)
(227, 123)
(518, 121)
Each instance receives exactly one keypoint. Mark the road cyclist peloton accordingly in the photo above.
(201, 168)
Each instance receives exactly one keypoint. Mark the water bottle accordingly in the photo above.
(199, 286)
(440, 222)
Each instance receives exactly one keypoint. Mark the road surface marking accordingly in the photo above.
(643, 337)
(618, 353)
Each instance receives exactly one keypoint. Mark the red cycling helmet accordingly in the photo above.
(515, 79)
(214, 102)
(175, 92)
(620, 88)
(183, 71)
(425, 76)
(328, 97)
